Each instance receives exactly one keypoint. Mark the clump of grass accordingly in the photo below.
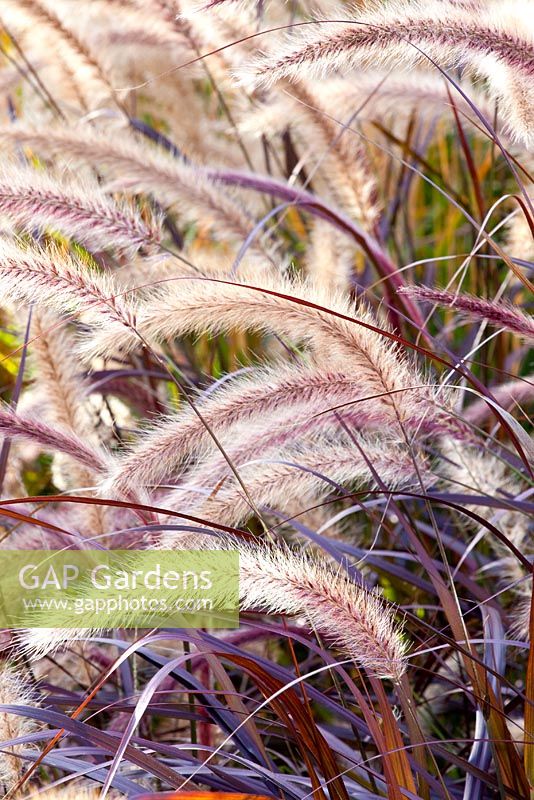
(277, 303)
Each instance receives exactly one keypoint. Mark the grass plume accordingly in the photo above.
(502, 315)
(495, 43)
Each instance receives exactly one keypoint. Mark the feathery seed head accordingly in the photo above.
(14, 690)
(358, 621)
(77, 207)
(495, 43)
(52, 278)
(504, 315)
